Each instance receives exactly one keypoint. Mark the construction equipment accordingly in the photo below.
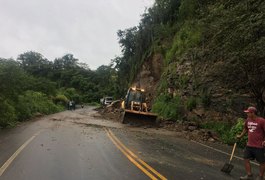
(136, 109)
(227, 168)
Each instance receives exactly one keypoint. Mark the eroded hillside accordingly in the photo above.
(210, 65)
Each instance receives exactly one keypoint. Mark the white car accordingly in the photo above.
(107, 100)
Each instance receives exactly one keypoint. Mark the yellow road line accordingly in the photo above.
(141, 161)
(129, 153)
(131, 159)
(12, 158)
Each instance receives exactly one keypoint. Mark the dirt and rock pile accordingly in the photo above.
(188, 130)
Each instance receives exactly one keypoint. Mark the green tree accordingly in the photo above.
(13, 80)
(34, 63)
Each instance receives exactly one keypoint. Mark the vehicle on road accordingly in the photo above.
(135, 107)
(106, 100)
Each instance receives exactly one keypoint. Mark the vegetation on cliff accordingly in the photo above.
(213, 59)
(212, 54)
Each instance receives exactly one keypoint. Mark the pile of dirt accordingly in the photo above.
(188, 130)
(109, 113)
(191, 131)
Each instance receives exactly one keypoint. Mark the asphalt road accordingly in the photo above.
(78, 145)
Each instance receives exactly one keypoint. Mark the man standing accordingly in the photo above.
(71, 105)
(255, 127)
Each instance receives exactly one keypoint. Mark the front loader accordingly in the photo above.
(135, 108)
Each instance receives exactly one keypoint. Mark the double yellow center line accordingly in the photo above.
(143, 166)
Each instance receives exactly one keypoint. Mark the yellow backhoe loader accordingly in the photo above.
(135, 108)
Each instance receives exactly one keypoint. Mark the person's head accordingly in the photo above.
(251, 112)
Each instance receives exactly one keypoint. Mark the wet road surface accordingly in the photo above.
(77, 145)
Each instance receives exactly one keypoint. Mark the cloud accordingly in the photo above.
(53, 28)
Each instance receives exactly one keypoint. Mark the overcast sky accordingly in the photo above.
(85, 28)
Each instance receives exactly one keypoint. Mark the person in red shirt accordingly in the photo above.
(255, 128)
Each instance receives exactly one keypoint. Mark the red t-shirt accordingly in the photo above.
(256, 132)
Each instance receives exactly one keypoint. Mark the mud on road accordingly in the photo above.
(187, 130)
(165, 146)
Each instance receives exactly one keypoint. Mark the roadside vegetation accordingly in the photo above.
(228, 132)
(32, 85)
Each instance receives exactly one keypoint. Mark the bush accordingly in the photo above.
(60, 99)
(189, 36)
(167, 107)
(219, 127)
(70, 94)
(191, 103)
(227, 132)
(236, 129)
(8, 116)
(32, 103)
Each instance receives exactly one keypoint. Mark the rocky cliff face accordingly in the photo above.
(149, 75)
(214, 61)
(217, 98)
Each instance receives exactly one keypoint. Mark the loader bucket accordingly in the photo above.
(138, 118)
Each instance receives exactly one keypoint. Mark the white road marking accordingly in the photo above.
(220, 151)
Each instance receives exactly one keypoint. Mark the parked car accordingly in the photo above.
(101, 101)
(106, 100)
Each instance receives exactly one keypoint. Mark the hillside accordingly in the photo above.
(204, 61)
